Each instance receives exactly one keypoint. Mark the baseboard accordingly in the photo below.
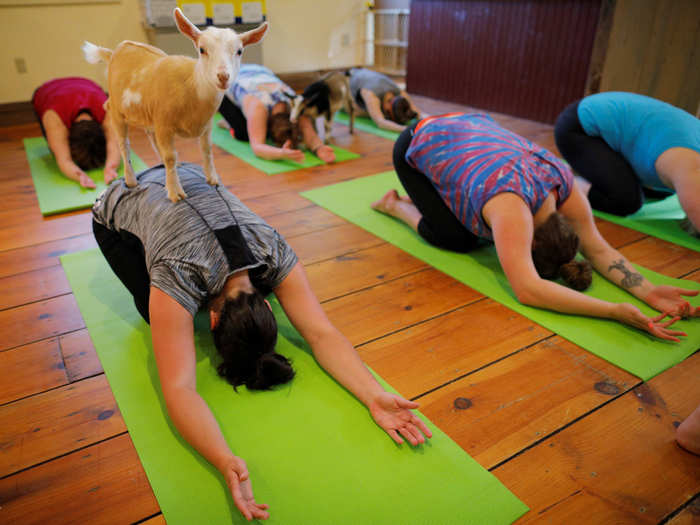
(15, 113)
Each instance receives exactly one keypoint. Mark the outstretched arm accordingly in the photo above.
(313, 141)
(173, 345)
(612, 265)
(57, 137)
(512, 228)
(337, 356)
(374, 109)
(256, 117)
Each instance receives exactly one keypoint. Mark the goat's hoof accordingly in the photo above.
(176, 194)
(213, 180)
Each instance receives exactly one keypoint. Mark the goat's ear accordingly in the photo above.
(254, 35)
(186, 27)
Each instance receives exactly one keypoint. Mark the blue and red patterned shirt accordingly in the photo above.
(470, 159)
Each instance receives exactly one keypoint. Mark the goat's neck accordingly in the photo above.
(204, 89)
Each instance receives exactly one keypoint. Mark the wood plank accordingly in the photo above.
(42, 255)
(50, 429)
(437, 351)
(155, 520)
(663, 257)
(623, 454)
(307, 220)
(17, 232)
(689, 515)
(33, 286)
(332, 242)
(395, 305)
(18, 194)
(79, 355)
(30, 369)
(102, 484)
(523, 398)
(54, 423)
(275, 203)
(361, 269)
(36, 321)
(616, 235)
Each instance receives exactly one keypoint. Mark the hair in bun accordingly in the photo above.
(554, 248)
(245, 337)
(577, 274)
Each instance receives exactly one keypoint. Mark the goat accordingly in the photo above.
(171, 95)
(325, 97)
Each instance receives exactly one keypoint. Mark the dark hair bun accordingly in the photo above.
(271, 369)
(577, 274)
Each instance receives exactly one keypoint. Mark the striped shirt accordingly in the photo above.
(260, 82)
(184, 257)
(470, 159)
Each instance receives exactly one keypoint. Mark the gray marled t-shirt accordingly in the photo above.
(377, 83)
(183, 256)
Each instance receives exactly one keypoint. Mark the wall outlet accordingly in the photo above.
(21, 65)
(345, 40)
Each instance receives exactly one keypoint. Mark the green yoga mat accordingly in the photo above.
(633, 350)
(223, 139)
(313, 452)
(367, 125)
(55, 192)
(659, 218)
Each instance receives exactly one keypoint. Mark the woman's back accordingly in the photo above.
(469, 159)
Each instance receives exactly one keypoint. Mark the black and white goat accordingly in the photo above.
(324, 98)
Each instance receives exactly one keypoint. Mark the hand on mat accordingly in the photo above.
(110, 174)
(669, 299)
(236, 474)
(292, 154)
(325, 153)
(393, 413)
(631, 315)
(84, 180)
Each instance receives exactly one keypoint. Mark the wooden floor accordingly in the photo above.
(577, 439)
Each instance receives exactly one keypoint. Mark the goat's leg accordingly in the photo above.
(209, 169)
(351, 114)
(121, 130)
(166, 147)
(152, 140)
(327, 129)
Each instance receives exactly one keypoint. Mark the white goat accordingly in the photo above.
(171, 95)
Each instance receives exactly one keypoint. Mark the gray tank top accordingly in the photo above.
(377, 83)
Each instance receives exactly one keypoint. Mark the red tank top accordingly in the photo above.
(68, 97)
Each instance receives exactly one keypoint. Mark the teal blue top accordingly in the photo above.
(639, 128)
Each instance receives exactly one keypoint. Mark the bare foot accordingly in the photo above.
(387, 203)
(688, 433)
(223, 124)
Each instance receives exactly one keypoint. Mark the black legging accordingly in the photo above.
(439, 226)
(615, 187)
(235, 118)
(125, 255)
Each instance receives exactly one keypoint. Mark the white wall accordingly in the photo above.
(48, 38)
(306, 35)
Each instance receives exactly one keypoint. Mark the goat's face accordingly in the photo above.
(220, 53)
(219, 49)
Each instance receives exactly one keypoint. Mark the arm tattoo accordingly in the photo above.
(631, 279)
